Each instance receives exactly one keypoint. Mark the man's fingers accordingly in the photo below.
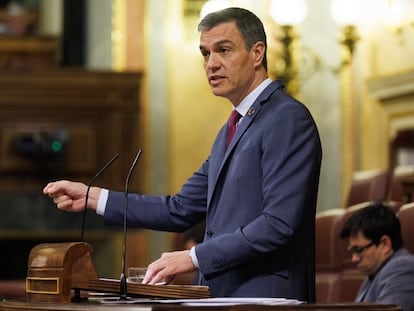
(66, 203)
(158, 272)
(168, 266)
(52, 188)
(151, 276)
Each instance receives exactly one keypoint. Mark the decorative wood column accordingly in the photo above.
(348, 109)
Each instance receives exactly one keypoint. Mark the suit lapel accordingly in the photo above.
(216, 158)
(243, 126)
(221, 155)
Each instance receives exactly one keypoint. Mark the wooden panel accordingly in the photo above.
(28, 51)
(23, 146)
(96, 112)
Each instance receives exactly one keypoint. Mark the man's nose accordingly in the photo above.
(213, 61)
(355, 258)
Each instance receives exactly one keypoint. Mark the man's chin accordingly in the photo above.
(364, 270)
(217, 92)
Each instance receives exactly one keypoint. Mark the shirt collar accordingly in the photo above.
(248, 101)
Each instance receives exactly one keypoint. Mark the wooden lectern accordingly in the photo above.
(56, 269)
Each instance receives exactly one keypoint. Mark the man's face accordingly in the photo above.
(365, 254)
(230, 68)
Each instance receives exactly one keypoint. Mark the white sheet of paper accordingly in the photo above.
(213, 301)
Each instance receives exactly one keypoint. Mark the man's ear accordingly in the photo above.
(258, 50)
(387, 244)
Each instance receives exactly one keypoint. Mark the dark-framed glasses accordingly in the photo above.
(358, 250)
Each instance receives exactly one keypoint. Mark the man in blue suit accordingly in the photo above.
(258, 194)
(376, 246)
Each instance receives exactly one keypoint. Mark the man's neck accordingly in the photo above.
(385, 260)
(259, 78)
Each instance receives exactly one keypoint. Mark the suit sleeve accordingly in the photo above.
(164, 213)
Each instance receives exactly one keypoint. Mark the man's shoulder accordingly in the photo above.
(403, 253)
(402, 259)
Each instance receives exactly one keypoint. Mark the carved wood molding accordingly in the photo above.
(392, 88)
(396, 94)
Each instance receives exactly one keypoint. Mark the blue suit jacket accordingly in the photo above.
(393, 283)
(259, 201)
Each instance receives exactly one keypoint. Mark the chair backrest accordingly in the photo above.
(337, 279)
(397, 191)
(371, 185)
(326, 239)
(406, 217)
(350, 281)
(327, 287)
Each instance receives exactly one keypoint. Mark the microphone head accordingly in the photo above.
(131, 169)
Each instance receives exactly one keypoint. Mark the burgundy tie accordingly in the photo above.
(234, 118)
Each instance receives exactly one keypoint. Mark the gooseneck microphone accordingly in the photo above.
(77, 297)
(87, 192)
(123, 281)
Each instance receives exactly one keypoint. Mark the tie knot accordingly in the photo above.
(234, 118)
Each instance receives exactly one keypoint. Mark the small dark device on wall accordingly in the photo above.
(41, 145)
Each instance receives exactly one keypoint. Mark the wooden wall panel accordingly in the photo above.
(97, 112)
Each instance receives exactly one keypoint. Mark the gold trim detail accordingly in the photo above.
(30, 280)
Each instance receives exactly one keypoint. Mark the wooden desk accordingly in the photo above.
(10, 305)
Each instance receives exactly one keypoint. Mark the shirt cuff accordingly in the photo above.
(103, 197)
(194, 257)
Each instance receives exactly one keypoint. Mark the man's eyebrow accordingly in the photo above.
(218, 43)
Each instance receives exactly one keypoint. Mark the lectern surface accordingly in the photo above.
(18, 305)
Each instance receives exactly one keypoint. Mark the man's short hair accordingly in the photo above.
(374, 221)
(249, 25)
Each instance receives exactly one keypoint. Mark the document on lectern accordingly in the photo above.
(236, 301)
(226, 301)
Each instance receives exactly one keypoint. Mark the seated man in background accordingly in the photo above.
(376, 247)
